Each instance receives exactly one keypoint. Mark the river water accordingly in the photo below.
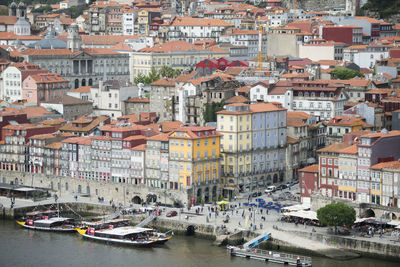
(23, 247)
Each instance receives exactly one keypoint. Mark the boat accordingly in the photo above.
(126, 235)
(55, 224)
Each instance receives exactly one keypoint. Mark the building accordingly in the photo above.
(70, 107)
(109, 97)
(176, 54)
(341, 125)
(194, 163)
(85, 125)
(309, 182)
(81, 66)
(347, 184)
(157, 162)
(253, 146)
(135, 105)
(163, 99)
(385, 177)
(345, 34)
(329, 169)
(192, 29)
(319, 98)
(13, 76)
(8, 116)
(43, 87)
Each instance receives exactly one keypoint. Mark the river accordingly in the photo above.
(22, 247)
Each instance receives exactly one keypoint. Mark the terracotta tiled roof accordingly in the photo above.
(82, 89)
(334, 148)
(298, 115)
(8, 20)
(264, 107)
(33, 112)
(141, 147)
(243, 89)
(349, 150)
(55, 145)
(168, 82)
(185, 77)
(83, 140)
(387, 165)
(171, 46)
(159, 137)
(191, 131)
(54, 121)
(344, 120)
(48, 78)
(92, 123)
(237, 99)
(137, 100)
(169, 126)
(13, 36)
(312, 168)
(291, 140)
(189, 21)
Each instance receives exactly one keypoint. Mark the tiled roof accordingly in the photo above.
(83, 140)
(8, 20)
(67, 100)
(191, 131)
(312, 168)
(159, 137)
(237, 99)
(189, 21)
(334, 148)
(243, 89)
(164, 82)
(349, 150)
(291, 140)
(344, 120)
(298, 115)
(48, 78)
(169, 126)
(33, 112)
(387, 165)
(55, 145)
(171, 46)
(138, 100)
(82, 89)
(141, 147)
(54, 121)
(93, 122)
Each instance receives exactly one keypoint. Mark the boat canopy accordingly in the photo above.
(52, 220)
(122, 231)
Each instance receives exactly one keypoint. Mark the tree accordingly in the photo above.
(211, 109)
(336, 214)
(169, 72)
(342, 73)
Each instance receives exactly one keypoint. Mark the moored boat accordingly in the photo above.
(127, 235)
(56, 224)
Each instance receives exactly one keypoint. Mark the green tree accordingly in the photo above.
(3, 11)
(385, 8)
(210, 111)
(343, 73)
(43, 9)
(336, 214)
(169, 72)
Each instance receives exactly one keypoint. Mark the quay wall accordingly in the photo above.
(365, 248)
(120, 193)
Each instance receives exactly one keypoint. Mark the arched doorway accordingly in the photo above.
(394, 217)
(281, 177)
(190, 230)
(206, 195)
(90, 82)
(88, 190)
(275, 178)
(199, 195)
(369, 213)
(83, 82)
(137, 200)
(79, 189)
(76, 83)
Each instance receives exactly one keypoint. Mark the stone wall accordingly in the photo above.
(362, 209)
(316, 5)
(120, 193)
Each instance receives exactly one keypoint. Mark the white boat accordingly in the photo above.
(56, 224)
(128, 235)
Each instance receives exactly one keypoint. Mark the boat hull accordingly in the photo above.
(49, 229)
(120, 242)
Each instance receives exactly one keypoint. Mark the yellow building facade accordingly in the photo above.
(195, 161)
(236, 144)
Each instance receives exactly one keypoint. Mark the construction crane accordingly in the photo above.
(294, 10)
(260, 46)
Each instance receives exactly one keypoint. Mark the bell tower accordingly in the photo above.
(74, 40)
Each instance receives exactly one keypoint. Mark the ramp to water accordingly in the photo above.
(255, 241)
(113, 216)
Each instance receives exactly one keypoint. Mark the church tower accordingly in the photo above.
(74, 40)
(12, 9)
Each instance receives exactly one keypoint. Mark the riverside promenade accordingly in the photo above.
(286, 234)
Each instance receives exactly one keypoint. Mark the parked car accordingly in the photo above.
(281, 187)
(270, 189)
(256, 194)
(172, 213)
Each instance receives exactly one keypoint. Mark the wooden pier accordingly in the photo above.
(271, 256)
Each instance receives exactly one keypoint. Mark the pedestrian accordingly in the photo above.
(267, 211)
(76, 198)
(261, 226)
